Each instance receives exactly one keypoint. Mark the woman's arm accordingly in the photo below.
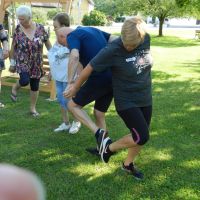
(12, 59)
(11, 54)
(4, 41)
(73, 88)
(5, 49)
(48, 44)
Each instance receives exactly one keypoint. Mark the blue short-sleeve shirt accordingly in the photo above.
(89, 41)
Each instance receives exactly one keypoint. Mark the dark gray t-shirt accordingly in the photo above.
(131, 73)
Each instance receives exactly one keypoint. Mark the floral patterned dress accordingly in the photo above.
(3, 36)
(29, 53)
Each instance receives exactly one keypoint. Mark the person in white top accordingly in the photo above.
(58, 57)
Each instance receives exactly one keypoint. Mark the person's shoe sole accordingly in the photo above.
(58, 131)
(74, 131)
(102, 140)
(103, 148)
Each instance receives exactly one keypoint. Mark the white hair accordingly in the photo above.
(24, 11)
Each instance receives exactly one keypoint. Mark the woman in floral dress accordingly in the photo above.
(26, 55)
(4, 53)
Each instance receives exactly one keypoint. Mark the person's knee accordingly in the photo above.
(139, 138)
(72, 105)
(34, 88)
(63, 103)
(34, 84)
(99, 115)
(144, 139)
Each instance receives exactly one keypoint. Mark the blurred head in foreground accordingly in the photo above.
(19, 184)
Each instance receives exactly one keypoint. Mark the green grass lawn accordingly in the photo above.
(170, 161)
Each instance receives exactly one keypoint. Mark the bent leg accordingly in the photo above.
(24, 80)
(82, 116)
(101, 106)
(132, 153)
(60, 87)
(100, 119)
(34, 84)
(135, 120)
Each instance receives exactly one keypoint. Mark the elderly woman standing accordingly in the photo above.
(27, 54)
(4, 53)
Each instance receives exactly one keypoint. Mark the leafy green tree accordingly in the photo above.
(109, 7)
(39, 15)
(51, 13)
(161, 9)
(190, 7)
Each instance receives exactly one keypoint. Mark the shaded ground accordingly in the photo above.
(170, 160)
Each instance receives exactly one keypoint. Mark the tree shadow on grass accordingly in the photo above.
(171, 159)
(172, 42)
(195, 66)
(175, 136)
(162, 76)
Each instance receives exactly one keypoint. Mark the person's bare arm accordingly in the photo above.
(11, 54)
(73, 64)
(4, 40)
(48, 44)
(5, 49)
(12, 59)
(74, 87)
(79, 69)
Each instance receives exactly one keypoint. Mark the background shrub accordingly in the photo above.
(51, 13)
(95, 18)
(39, 15)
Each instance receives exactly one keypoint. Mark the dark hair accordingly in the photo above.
(63, 19)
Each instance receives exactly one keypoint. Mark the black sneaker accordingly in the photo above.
(101, 136)
(106, 153)
(131, 169)
(93, 151)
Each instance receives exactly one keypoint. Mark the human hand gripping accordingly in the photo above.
(70, 91)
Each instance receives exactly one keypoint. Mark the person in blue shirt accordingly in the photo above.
(130, 61)
(84, 44)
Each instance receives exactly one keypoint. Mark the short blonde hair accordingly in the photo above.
(133, 31)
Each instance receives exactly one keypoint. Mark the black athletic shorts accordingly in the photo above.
(101, 93)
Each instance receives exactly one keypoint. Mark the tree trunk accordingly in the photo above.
(161, 22)
(13, 14)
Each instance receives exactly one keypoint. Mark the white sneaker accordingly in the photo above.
(62, 127)
(75, 127)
